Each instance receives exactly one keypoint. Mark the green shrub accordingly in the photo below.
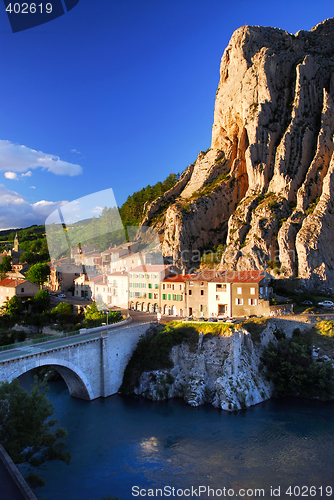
(255, 327)
(291, 368)
(152, 353)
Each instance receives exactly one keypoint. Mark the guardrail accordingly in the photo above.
(40, 340)
(82, 331)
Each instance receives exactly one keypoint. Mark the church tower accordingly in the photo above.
(16, 243)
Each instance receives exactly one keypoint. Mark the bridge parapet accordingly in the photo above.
(92, 365)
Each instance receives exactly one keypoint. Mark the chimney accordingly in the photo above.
(184, 271)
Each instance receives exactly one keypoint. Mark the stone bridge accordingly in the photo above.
(92, 363)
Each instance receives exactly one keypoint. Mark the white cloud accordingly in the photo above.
(16, 158)
(11, 175)
(33, 187)
(27, 174)
(97, 210)
(15, 211)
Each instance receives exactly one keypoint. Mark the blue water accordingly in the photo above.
(121, 442)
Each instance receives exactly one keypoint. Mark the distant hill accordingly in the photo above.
(131, 213)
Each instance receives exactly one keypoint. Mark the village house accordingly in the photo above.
(228, 294)
(62, 275)
(22, 288)
(118, 289)
(172, 295)
(120, 258)
(196, 295)
(83, 287)
(144, 284)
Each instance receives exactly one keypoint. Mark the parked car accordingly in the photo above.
(326, 303)
(201, 319)
(307, 303)
(62, 296)
(211, 320)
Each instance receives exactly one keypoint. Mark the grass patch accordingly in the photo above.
(211, 329)
(255, 327)
(325, 328)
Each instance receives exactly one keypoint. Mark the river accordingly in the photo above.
(123, 442)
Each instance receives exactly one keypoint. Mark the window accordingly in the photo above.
(150, 285)
(217, 297)
(252, 302)
(189, 292)
(156, 286)
(22, 290)
(174, 297)
(252, 291)
(191, 283)
(201, 308)
(169, 297)
(173, 286)
(97, 288)
(239, 302)
(164, 296)
(261, 289)
(163, 286)
(181, 287)
(155, 296)
(201, 283)
(202, 292)
(149, 295)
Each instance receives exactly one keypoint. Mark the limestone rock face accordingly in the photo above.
(223, 371)
(265, 186)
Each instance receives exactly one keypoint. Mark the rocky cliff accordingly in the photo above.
(265, 187)
(223, 371)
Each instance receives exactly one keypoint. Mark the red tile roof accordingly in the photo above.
(8, 282)
(97, 279)
(251, 276)
(179, 278)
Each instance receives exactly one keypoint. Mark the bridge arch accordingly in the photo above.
(77, 383)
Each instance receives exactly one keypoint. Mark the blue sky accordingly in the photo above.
(115, 94)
